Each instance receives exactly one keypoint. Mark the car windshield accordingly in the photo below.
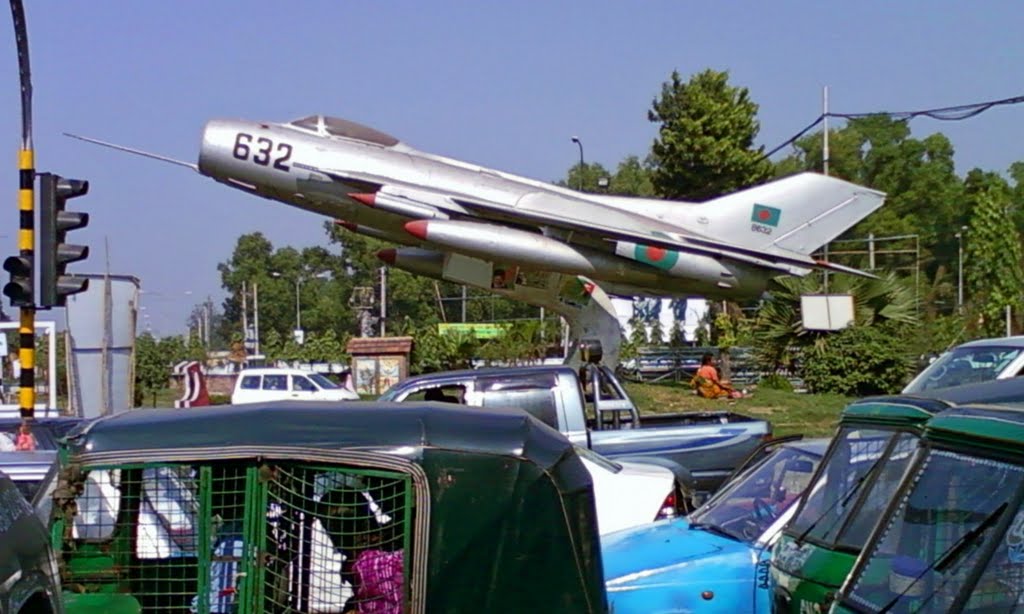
(750, 503)
(937, 535)
(831, 511)
(964, 366)
(323, 382)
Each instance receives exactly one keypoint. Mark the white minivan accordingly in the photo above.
(268, 384)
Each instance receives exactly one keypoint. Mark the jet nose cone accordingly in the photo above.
(218, 137)
(387, 255)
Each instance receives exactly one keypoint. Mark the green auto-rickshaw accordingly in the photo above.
(862, 468)
(952, 540)
(324, 507)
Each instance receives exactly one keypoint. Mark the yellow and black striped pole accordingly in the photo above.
(26, 243)
(26, 212)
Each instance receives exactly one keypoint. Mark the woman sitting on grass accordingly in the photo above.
(708, 385)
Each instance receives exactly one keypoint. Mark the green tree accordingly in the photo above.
(705, 144)
(632, 178)
(152, 369)
(993, 261)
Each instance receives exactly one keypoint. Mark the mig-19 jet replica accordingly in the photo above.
(529, 240)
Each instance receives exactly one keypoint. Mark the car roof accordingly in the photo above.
(486, 372)
(367, 425)
(275, 371)
(1015, 342)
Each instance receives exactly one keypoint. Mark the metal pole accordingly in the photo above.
(245, 318)
(824, 158)
(960, 269)
(26, 213)
(1009, 320)
(256, 314)
(463, 304)
(298, 316)
(383, 298)
(824, 132)
(579, 183)
(871, 251)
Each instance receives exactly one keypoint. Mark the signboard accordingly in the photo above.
(479, 330)
(299, 335)
(826, 311)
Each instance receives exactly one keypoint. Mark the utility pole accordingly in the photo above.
(26, 234)
(256, 314)
(383, 297)
(824, 159)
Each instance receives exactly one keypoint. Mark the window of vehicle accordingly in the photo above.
(533, 394)
(301, 383)
(442, 394)
(275, 382)
(323, 382)
(964, 366)
(932, 542)
(755, 499)
(832, 498)
(250, 382)
(351, 130)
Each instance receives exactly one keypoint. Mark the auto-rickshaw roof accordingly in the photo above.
(997, 428)
(893, 410)
(326, 425)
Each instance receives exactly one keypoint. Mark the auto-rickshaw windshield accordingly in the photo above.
(937, 535)
(754, 500)
(844, 502)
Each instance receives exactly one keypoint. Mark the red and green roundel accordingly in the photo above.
(763, 214)
(656, 256)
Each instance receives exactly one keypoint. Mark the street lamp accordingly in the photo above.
(576, 140)
(960, 268)
(298, 283)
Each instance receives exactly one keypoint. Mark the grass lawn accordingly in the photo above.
(789, 412)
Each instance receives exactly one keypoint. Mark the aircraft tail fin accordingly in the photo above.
(796, 214)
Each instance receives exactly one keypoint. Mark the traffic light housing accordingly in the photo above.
(55, 284)
(20, 288)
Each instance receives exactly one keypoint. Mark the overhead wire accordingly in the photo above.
(954, 113)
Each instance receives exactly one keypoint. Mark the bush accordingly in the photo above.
(775, 381)
(857, 361)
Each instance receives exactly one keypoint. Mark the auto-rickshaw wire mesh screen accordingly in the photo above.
(234, 537)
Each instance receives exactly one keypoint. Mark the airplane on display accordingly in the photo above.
(527, 239)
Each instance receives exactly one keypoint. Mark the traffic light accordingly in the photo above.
(55, 285)
(19, 289)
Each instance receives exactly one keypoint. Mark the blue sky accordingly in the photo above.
(504, 85)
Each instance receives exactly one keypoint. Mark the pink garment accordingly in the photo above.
(380, 581)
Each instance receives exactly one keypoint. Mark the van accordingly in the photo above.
(265, 384)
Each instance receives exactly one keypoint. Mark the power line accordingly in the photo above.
(954, 113)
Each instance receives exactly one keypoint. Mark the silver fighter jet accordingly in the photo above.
(725, 248)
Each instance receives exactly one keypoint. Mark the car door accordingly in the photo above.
(304, 389)
(274, 387)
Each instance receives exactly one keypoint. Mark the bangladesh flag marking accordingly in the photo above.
(763, 214)
(656, 256)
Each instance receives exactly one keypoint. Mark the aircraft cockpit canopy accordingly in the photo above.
(334, 126)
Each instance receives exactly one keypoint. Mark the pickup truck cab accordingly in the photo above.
(261, 385)
(708, 444)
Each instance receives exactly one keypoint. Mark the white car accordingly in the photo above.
(629, 493)
(983, 360)
(267, 384)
